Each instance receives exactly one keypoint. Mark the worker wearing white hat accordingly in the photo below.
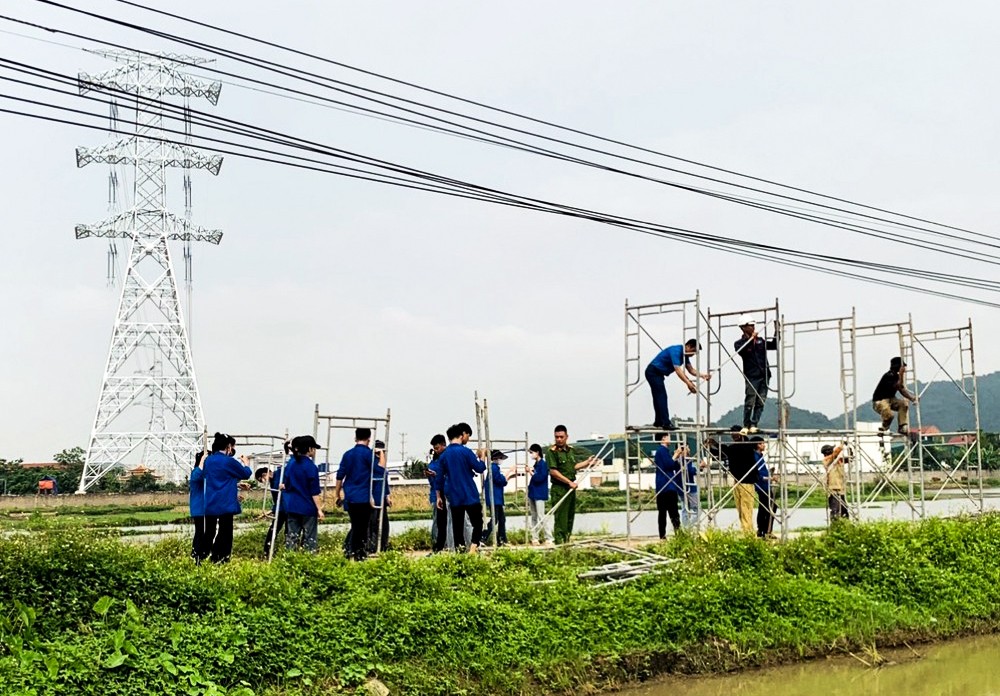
(756, 371)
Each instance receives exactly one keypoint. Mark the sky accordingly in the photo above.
(361, 297)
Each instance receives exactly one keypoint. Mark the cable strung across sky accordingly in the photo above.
(381, 171)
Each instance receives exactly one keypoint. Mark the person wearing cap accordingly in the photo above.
(302, 497)
(741, 459)
(439, 518)
(459, 467)
(354, 477)
(833, 462)
(563, 464)
(675, 359)
(669, 484)
(494, 499)
(378, 526)
(756, 370)
(538, 493)
(884, 401)
(223, 474)
(766, 506)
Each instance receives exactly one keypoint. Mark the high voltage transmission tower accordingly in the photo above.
(149, 402)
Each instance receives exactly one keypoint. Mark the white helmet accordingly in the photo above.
(747, 319)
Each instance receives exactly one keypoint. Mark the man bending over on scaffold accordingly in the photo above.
(884, 401)
(668, 361)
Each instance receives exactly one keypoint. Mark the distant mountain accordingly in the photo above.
(941, 404)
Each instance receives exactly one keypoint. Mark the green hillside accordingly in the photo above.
(941, 404)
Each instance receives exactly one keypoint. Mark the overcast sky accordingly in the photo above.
(362, 297)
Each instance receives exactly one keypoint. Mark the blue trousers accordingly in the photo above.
(661, 408)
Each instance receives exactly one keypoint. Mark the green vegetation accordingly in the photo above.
(86, 614)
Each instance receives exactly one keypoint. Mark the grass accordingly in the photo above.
(84, 613)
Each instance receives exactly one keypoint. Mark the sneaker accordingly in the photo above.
(903, 430)
(648, 426)
(669, 426)
(745, 431)
(753, 429)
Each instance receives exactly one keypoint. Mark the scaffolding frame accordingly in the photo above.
(901, 470)
(334, 423)
(273, 456)
(516, 445)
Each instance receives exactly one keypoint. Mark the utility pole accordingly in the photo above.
(149, 401)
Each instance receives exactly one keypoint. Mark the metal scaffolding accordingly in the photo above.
(909, 471)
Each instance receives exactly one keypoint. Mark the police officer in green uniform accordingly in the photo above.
(563, 466)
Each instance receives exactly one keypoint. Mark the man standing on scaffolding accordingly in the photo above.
(756, 371)
(668, 361)
(884, 400)
(563, 466)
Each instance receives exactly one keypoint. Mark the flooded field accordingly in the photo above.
(964, 667)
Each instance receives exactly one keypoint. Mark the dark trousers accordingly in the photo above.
(201, 545)
(277, 524)
(302, 532)
(753, 404)
(475, 513)
(565, 513)
(766, 509)
(361, 515)
(666, 503)
(219, 537)
(838, 506)
(440, 529)
(661, 407)
(501, 520)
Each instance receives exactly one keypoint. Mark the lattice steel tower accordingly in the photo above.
(149, 402)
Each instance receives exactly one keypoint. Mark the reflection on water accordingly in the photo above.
(965, 667)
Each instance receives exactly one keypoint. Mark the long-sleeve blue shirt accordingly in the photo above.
(459, 466)
(222, 476)
(274, 486)
(435, 466)
(499, 483)
(301, 484)
(379, 479)
(538, 484)
(668, 471)
(763, 482)
(356, 473)
(196, 493)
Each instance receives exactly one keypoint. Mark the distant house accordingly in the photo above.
(140, 471)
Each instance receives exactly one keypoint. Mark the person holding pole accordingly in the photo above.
(494, 498)
(352, 490)
(756, 371)
(538, 493)
(459, 468)
(668, 361)
(563, 466)
(833, 462)
(766, 505)
(302, 499)
(669, 484)
(270, 479)
(200, 547)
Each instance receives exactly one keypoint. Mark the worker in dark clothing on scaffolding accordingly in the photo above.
(756, 371)
(742, 458)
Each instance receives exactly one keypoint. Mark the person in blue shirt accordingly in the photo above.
(538, 495)
(200, 549)
(668, 361)
(302, 496)
(439, 518)
(378, 525)
(669, 484)
(494, 499)
(459, 466)
(223, 474)
(353, 490)
(766, 505)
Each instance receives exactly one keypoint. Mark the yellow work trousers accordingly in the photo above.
(887, 408)
(743, 495)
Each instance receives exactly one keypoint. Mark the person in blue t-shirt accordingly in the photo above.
(302, 496)
(669, 484)
(538, 495)
(766, 505)
(459, 466)
(439, 518)
(494, 499)
(200, 549)
(223, 474)
(668, 361)
(354, 478)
